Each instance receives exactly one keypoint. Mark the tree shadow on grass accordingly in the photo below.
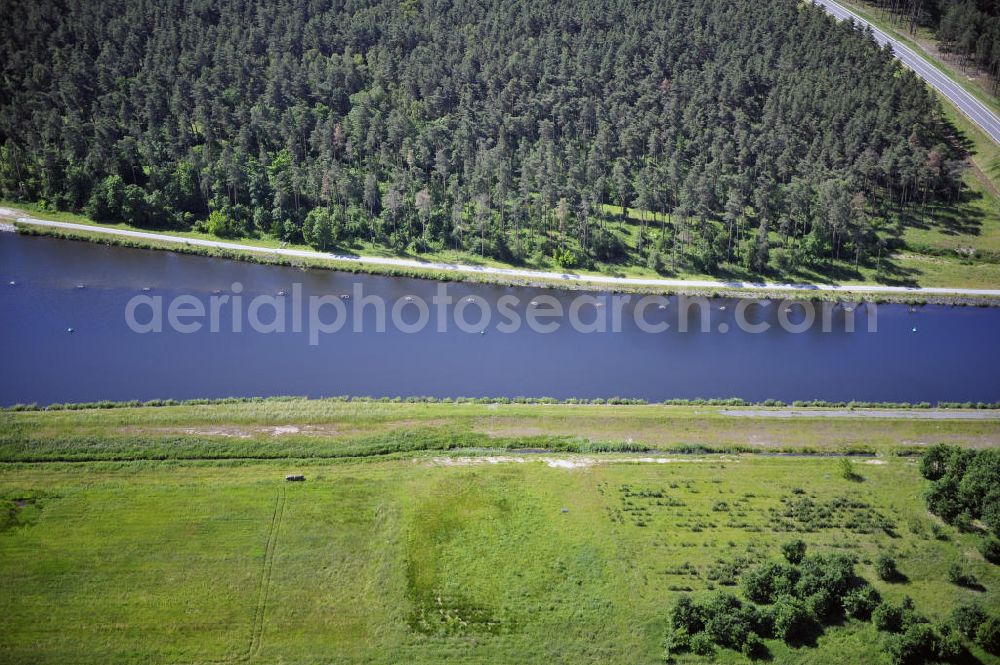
(957, 219)
(897, 577)
(966, 657)
(893, 274)
(761, 655)
(960, 146)
(808, 637)
(971, 583)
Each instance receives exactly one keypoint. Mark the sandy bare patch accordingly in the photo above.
(671, 460)
(472, 461)
(568, 463)
(284, 429)
(228, 432)
(875, 461)
(238, 432)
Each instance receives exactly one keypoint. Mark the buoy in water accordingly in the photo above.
(408, 298)
(145, 288)
(345, 296)
(79, 286)
(69, 330)
(482, 332)
(12, 282)
(281, 293)
(914, 329)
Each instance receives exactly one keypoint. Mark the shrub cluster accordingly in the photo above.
(974, 623)
(966, 485)
(913, 640)
(788, 601)
(720, 619)
(791, 600)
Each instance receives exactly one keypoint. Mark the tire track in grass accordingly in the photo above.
(264, 584)
(263, 588)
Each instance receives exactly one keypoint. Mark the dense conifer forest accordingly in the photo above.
(748, 135)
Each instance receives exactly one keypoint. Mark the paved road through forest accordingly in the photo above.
(971, 107)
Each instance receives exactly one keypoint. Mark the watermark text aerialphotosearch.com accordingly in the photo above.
(318, 315)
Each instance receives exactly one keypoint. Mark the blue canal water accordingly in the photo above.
(932, 353)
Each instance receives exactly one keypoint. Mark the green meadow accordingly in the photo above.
(444, 533)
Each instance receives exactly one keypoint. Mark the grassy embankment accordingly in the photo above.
(320, 429)
(421, 555)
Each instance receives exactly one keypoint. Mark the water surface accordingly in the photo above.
(953, 355)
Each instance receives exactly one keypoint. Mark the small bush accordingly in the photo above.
(949, 644)
(832, 572)
(727, 621)
(794, 551)
(888, 618)
(934, 463)
(968, 618)
(848, 472)
(754, 648)
(885, 568)
(792, 621)
(916, 645)
(767, 581)
(763, 624)
(686, 616)
(959, 577)
(822, 605)
(702, 644)
(990, 549)
(988, 635)
(910, 615)
(861, 602)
